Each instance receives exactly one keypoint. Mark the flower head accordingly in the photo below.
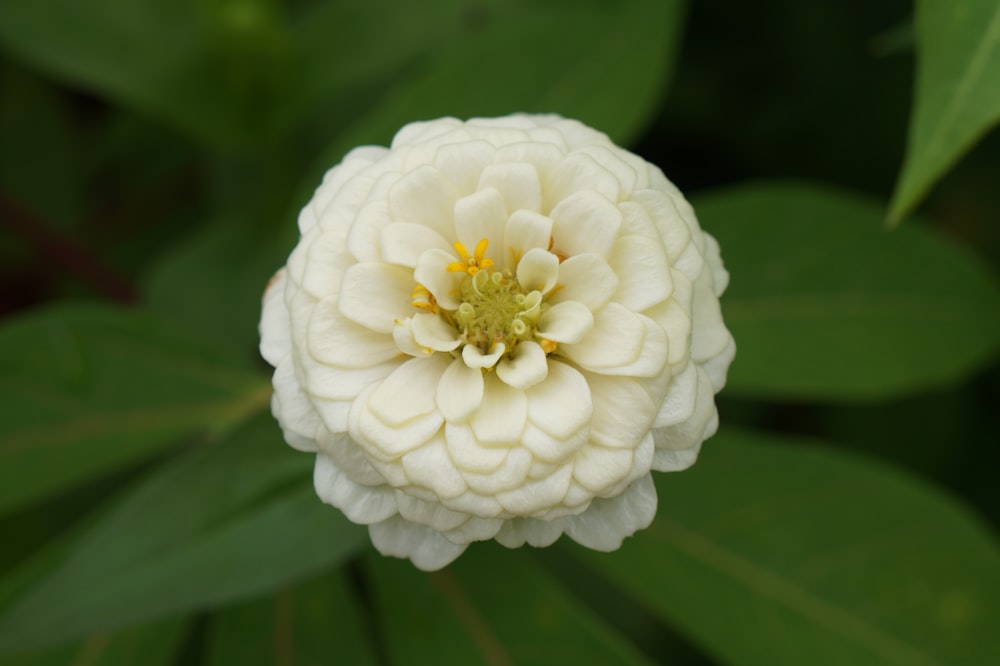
(496, 329)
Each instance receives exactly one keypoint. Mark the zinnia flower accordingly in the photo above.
(496, 329)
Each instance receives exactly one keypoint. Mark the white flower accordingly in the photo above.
(496, 329)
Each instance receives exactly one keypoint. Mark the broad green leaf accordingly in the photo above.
(606, 64)
(775, 551)
(317, 622)
(88, 389)
(150, 645)
(825, 304)
(492, 606)
(218, 524)
(957, 92)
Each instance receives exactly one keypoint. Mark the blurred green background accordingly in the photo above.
(153, 157)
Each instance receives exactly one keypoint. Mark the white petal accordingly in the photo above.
(517, 182)
(538, 533)
(608, 521)
(561, 405)
(430, 330)
(501, 417)
(376, 295)
(364, 236)
(693, 430)
(585, 222)
(432, 273)
(525, 230)
(460, 392)
(424, 196)
(361, 504)
(431, 467)
(538, 270)
(475, 529)
(717, 366)
(349, 458)
(468, 454)
(290, 404)
(334, 413)
(616, 341)
(536, 496)
(566, 322)
(333, 383)
(597, 468)
(327, 260)
(525, 367)
(275, 325)
(429, 551)
(409, 391)
(403, 242)
(675, 460)
(675, 234)
(433, 514)
(336, 340)
(623, 411)
(402, 335)
(474, 357)
(543, 156)
(709, 335)
(478, 216)
(579, 173)
(386, 443)
(461, 163)
(586, 278)
(643, 273)
(678, 404)
(550, 449)
(474, 504)
(720, 276)
(511, 474)
(610, 158)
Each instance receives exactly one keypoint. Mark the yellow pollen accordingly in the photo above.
(424, 299)
(471, 263)
(548, 346)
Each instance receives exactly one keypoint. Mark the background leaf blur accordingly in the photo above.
(153, 156)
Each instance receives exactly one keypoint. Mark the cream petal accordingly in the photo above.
(432, 273)
(474, 357)
(386, 443)
(402, 335)
(525, 230)
(538, 533)
(364, 236)
(709, 335)
(348, 457)
(333, 413)
(460, 392)
(598, 469)
(643, 273)
(623, 411)
(433, 332)
(468, 454)
(720, 276)
(511, 474)
(478, 216)
(543, 156)
(675, 234)
(524, 367)
(697, 426)
(409, 392)
(461, 163)
(275, 323)
(332, 383)
(678, 404)
(376, 295)
(403, 242)
(501, 416)
(433, 514)
(609, 158)
(717, 366)
(675, 460)
(290, 404)
(361, 504)
(608, 521)
(424, 196)
(536, 496)
(517, 183)
(475, 529)
(538, 270)
(328, 260)
(579, 173)
(567, 322)
(673, 318)
(586, 278)
(616, 340)
(431, 467)
(474, 504)
(336, 340)
(398, 537)
(561, 405)
(585, 222)
(551, 449)
(423, 130)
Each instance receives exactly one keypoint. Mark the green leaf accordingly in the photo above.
(780, 552)
(957, 92)
(492, 606)
(150, 645)
(825, 304)
(217, 524)
(89, 389)
(318, 622)
(605, 64)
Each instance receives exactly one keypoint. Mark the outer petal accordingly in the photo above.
(608, 521)
(427, 549)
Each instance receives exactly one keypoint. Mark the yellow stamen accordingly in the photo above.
(471, 263)
(424, 300)
(548, 346)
